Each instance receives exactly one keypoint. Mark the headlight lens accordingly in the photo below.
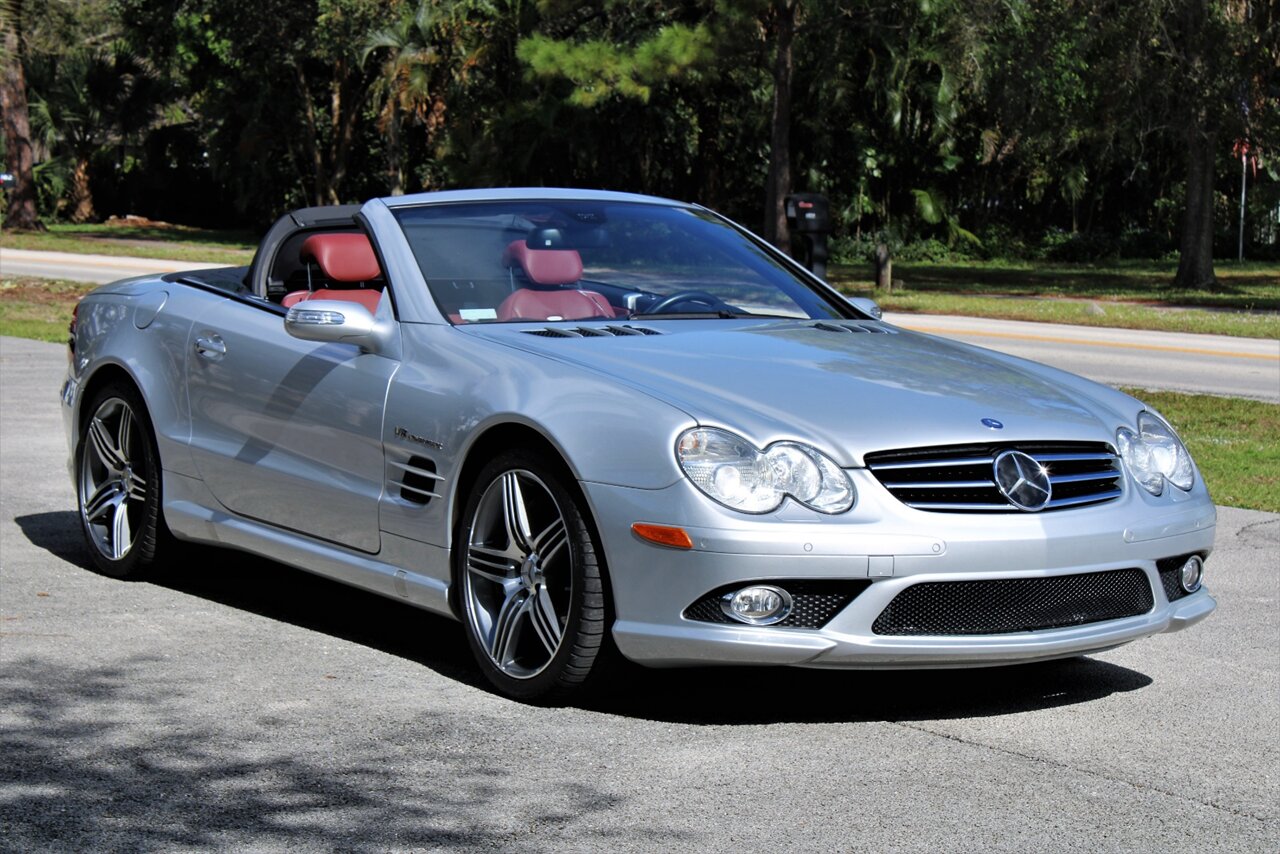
(737, 474)
(1155, 454)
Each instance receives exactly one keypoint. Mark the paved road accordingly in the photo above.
(88, 268)
(1208, 364)
(238, 704)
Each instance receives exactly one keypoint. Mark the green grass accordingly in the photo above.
(1233, 442)
(38, 308)
(1130, 295)
(176, 242)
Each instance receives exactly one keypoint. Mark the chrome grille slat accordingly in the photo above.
(924, 464)
(1067, 458)
(951, 484)
(1082, 477)
(961, 478)
(1083, 499)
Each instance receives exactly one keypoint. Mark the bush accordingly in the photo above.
(1079, 247)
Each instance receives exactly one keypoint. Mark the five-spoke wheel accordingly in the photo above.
(118, 490)
(531, 590)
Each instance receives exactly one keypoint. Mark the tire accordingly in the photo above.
(118, 479)
(530, 575)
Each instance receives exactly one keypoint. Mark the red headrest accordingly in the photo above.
(346, 257)
(544, 266)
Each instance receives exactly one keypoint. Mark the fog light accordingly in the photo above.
(757, 606)
(1191, 573)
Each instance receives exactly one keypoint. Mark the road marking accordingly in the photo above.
(1053, 339)
(132, 264)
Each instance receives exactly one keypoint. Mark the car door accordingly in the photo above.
(285, 431)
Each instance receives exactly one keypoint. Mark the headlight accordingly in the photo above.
(1155, 454)
(736, 473)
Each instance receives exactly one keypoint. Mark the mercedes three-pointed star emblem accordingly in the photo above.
(1022, 480)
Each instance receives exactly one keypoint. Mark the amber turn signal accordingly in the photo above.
(663, 535)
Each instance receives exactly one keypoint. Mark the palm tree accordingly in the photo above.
(411, 80)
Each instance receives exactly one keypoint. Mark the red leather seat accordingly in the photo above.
(341, 257)
(552, 268)
(366, 297)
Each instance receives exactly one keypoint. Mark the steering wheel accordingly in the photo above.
(698, 297)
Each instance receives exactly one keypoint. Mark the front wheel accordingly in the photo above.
(118, 485)
(531, 579)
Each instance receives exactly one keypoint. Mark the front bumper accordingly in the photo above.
(893, 547)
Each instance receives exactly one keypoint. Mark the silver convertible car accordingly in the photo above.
(590, 423)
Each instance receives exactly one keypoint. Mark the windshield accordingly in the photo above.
(510, 261)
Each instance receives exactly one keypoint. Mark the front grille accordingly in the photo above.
(1000, 606)
(813, 603)
(961, 479)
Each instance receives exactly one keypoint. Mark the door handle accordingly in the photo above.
(211, 347)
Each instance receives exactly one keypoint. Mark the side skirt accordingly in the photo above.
(405, 569)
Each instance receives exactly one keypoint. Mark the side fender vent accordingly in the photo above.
(416, 479)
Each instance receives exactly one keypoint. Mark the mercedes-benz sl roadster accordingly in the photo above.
(588, 423)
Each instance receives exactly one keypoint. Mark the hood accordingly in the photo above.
(847, 387)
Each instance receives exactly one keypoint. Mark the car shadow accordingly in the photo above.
(708, 695)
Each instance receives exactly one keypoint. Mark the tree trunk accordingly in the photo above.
(395, 172)
(884, 268)
(779, 181)
(1195, 248)
(20, 207)
(81, 193)
(319, 178)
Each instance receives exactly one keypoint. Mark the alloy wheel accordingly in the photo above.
(519, 574)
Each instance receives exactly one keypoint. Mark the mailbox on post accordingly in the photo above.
(809, 219)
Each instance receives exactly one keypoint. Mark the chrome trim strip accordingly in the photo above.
(1083, 499)
(924, 505)
(1084, 476)
(1070, 458)
(962, 461)
(413, 470)
(944, 484)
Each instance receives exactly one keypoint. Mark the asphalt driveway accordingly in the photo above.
(239, 704)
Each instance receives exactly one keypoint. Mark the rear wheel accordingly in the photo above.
(118, 484)
(530, 575)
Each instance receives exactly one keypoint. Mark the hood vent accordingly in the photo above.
(853, 326)
(592, 331)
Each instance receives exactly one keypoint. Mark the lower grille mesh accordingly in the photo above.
(813, 604)
(1000, 606)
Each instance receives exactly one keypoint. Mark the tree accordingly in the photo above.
(20, 209)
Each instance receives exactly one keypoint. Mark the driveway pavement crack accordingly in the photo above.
(1087, 772)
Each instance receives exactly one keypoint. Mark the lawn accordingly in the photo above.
(148, 240)
(38, 308)
(1128, 295)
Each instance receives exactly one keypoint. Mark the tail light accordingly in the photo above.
(71, 332)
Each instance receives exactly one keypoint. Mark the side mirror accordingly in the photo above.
(335, 321)
(866, 305)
